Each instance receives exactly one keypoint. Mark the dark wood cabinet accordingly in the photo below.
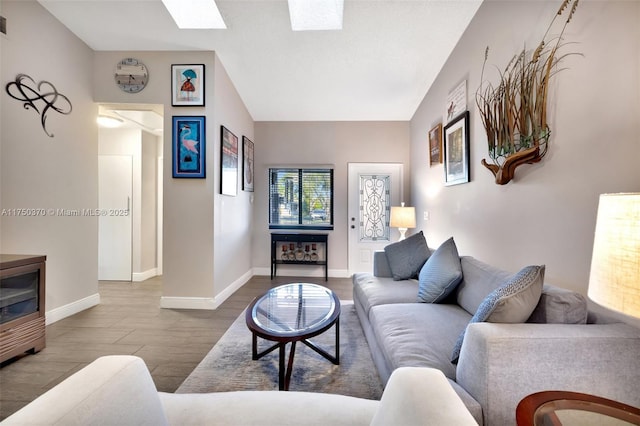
(299, 249)
(22, 297)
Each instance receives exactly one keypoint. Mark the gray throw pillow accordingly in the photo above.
(560, 306)
(440, 274)
(512, 302)
(406, 257)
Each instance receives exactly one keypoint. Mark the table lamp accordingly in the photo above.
(403, 218)
(614, 281)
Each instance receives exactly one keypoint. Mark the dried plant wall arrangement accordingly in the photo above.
(514, 113)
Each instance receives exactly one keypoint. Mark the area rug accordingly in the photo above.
(229, 367)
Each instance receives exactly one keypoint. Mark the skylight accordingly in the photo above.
(310, 15)
(195, 14)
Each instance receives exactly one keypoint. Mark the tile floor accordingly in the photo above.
(129, 321)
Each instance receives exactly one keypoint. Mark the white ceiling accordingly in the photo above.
(378, 67)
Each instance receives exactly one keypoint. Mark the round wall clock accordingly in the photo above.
(131, 75)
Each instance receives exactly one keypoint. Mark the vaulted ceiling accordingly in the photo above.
(378, 67)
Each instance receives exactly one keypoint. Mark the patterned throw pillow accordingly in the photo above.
(512, 302)
(440, 274)
(406, 257)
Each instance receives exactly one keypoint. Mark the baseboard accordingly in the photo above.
(141, 276)
(303, 271)
(207, 303)
(56, 314)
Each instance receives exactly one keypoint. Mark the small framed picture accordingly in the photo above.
(247, 164)
(456, 150)
(188, 142)
(187, 85)
(435, 145)
(228, 163)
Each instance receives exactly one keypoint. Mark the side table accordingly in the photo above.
(558, 408)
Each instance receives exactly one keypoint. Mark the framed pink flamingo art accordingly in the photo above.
(187, 85)
(188, 146)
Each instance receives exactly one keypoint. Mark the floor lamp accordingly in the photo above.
(614, 281)
(403, 218)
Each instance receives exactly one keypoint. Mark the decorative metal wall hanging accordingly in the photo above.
(43, 91)
(514, 112)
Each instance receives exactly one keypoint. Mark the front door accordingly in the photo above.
(373, 189)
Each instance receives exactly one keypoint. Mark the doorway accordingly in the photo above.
(373, 189)
(130, 169)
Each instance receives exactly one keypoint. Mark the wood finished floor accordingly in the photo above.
(129, 321)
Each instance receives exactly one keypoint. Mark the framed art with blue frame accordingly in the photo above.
(188, 143)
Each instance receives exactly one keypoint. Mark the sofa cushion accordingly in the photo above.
(513, 302)
(440, 274)
(418, 334)
(372, 291)
(381, 264)
(478, 280)
(406, 257)
(560, 306)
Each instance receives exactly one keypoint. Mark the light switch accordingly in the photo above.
(426, 215)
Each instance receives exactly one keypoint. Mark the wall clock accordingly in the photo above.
(131, 75)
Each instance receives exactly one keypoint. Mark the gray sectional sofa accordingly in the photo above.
(558, 346)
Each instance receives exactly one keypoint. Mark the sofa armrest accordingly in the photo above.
(381, 264)
(112, 390)
(502, 363)
(420, 396)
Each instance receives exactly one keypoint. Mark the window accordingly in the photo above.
(300, 198)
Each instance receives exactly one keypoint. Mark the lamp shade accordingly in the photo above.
(403, 217)
(614, 281)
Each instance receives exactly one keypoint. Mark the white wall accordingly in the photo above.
(546, 215)
(337, 143)
(39, 172)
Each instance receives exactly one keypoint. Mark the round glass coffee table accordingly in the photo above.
(293, 313)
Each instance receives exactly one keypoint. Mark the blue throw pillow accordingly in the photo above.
(440, 274)
(512, 302)
(406, 257)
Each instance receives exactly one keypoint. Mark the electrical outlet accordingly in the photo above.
(427, 216)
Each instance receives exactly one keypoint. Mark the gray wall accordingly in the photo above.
(205, 235)
(547, 214)
(233, 215)
(38, 172)
(336, 143)
(148, 225)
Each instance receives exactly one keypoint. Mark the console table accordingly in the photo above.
(298, 249)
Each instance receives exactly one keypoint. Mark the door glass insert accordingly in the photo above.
(374, 205)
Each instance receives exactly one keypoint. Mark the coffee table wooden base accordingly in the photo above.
(284, 374)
